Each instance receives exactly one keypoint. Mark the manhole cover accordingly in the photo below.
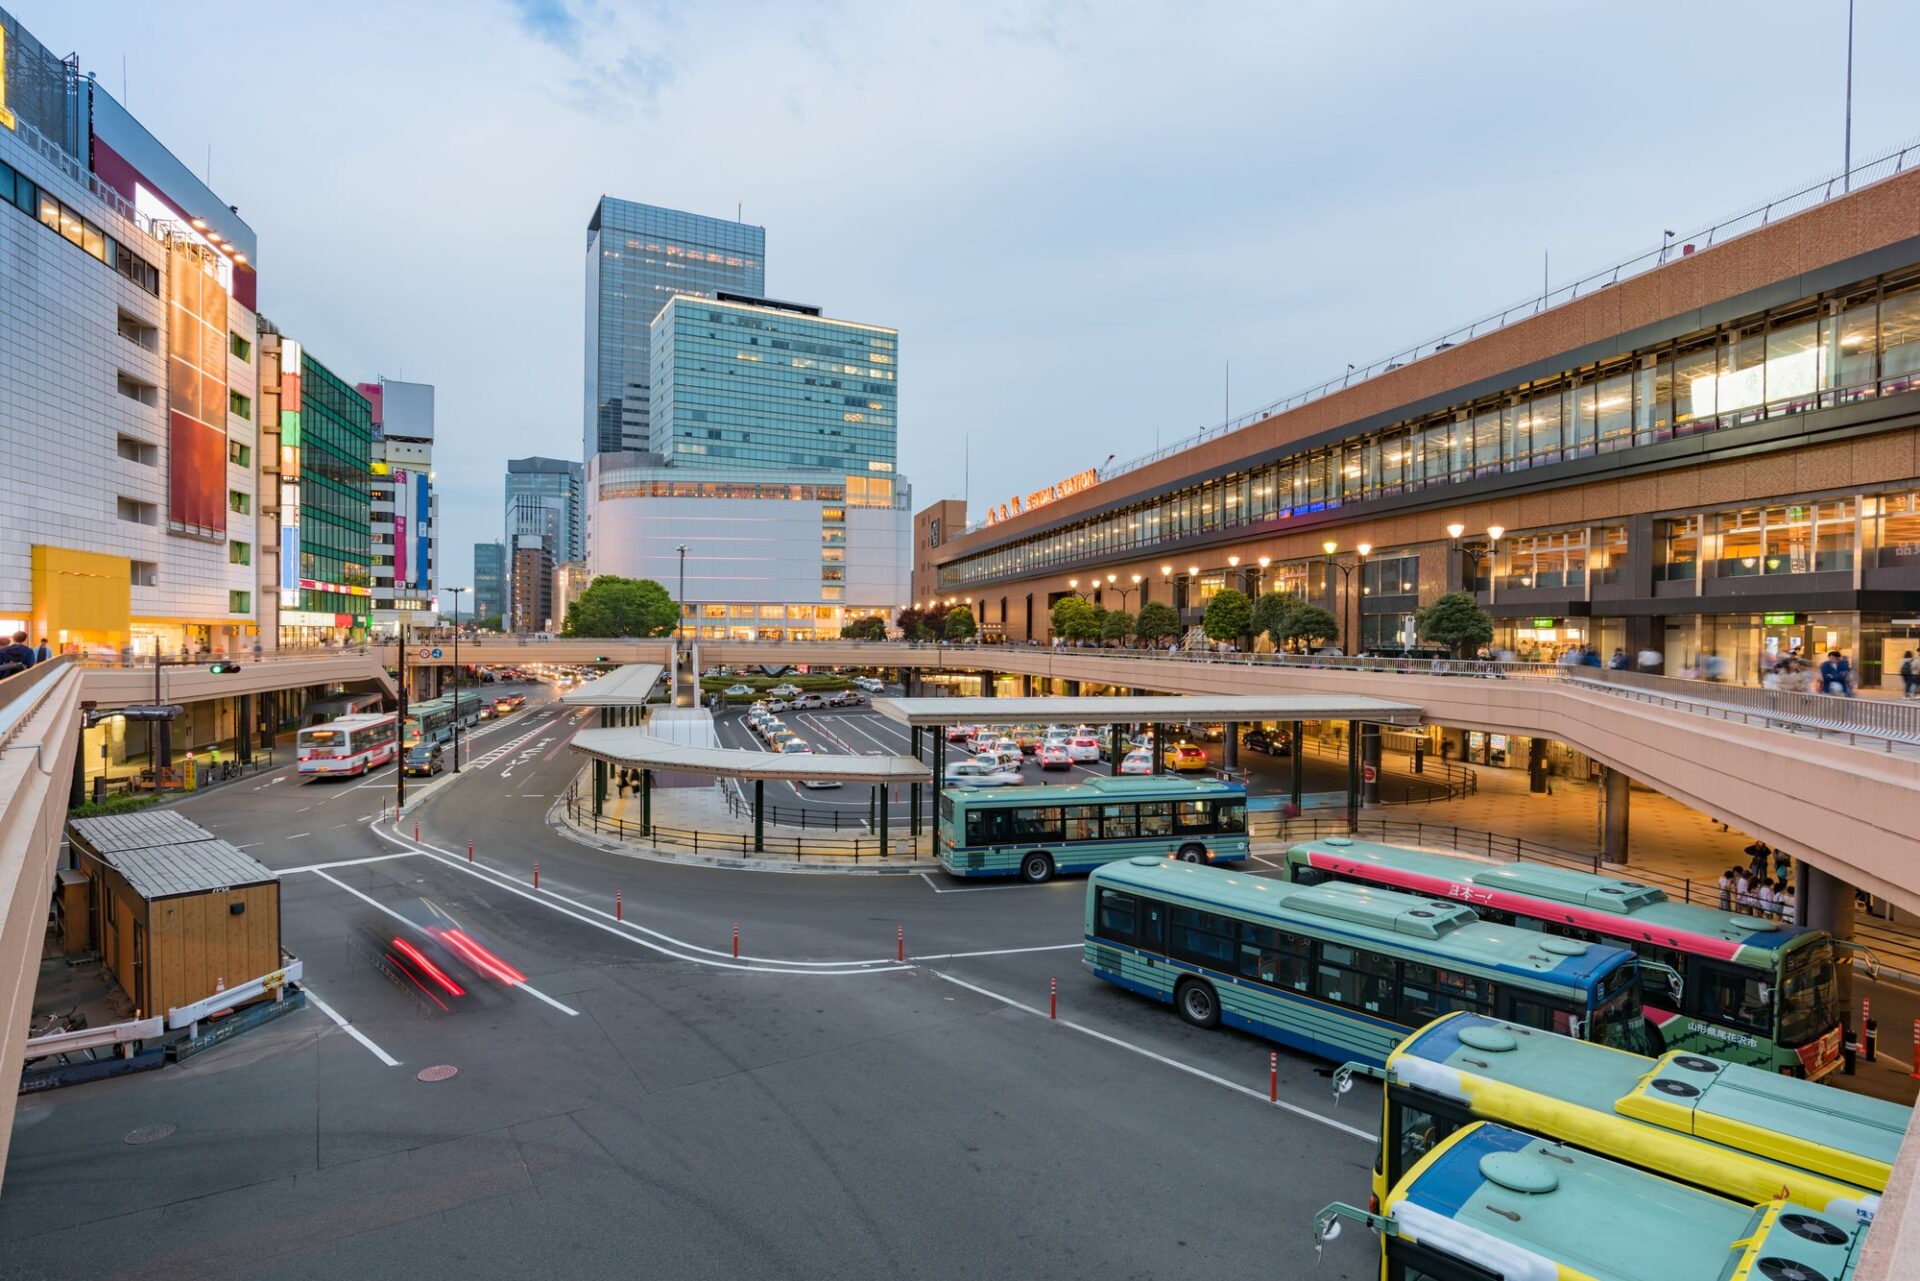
(150, 1133)
(439, 1072)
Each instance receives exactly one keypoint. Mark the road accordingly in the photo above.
(646, 1101)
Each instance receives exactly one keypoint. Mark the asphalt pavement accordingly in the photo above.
(647, 1101)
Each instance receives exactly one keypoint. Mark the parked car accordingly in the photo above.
(982, 774)
(777, 705)
(1137, 762)
(809, 702)
(846, 698)
(1053, 756)
(1259, 740)
(424, 760)
(869, 684)
(1083, 748)
(1185, 758)
(739, 691)
(785, 691)
(779, 738)
(986, 740)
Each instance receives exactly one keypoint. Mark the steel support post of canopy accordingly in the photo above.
(1353, 776)
(1298, 767)
(759, 815)
(646, 802)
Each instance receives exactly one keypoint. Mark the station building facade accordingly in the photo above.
(1719, 456)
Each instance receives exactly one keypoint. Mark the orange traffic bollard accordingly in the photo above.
(616, 906)
(736, 946)
(1053, 998)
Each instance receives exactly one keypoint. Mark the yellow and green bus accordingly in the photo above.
(1731, 1130)
(1338, 971)
(1036, 833)
(1742, 988)
(1490, 1203)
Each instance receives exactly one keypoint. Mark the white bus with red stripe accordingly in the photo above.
(349, 745)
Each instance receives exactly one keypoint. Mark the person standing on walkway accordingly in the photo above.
(1790, 906)
(1726, 890)
(1763, 898)
(16, 656)
(1742, 892)
(1782, 866)
(1909, 675)
(44, 653)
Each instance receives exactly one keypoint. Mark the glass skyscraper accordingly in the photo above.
(639, 257)
(752, 384)
(556, 485)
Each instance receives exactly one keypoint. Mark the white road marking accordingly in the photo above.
(1157, 1057)
(976, 889)
(345, 862)
(313, 998)
(1000, 951)
(1256, 858)
(297, 835)
(528, 988)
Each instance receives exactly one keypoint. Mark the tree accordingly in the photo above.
(920, 625)
(615, 606)
(1118, 625)
(1270, 615)
(865, 629)
(1310, 625)
(960, 625)
(1157, 624)
(1229, 616)
(1457, 621)
(1074, 619)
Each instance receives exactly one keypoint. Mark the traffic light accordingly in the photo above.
(602, 659)
(223, 668)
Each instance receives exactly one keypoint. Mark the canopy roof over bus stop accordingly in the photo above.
(1156, 710)
(635, 747)
(628, 686)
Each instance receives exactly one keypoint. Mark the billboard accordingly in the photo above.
(196, 392)
(289, 474)
(402, 505)
(39, 89)
(422, 530)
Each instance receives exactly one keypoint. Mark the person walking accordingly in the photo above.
(45, 651)
(1619, 662)
(16, 656)
(1909, 676)
(1757, 855)
(1782, 866)
(1726, 889)
(1790, 908)
(1763, 898)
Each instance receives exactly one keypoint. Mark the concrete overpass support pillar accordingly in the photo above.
(1159, 749)
(759, 815)
(1297, 767)
(1073, 689)
(1026, 687)
(986, 685)
(1113, 748)
(1536, 764)
(646, 802)
(881, 826)
(1825, 902)
(1370, 761)
(1353, 776)
(243, 730)
(1615, 804)
(1230, 745)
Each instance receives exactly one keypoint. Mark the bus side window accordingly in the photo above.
(1152, 926)
(1727, 995)
(1115, 917)
(1156, 818)
(1082, 822)
(1529, 1012)
(1193, 816)
(1118, 821)
(986, 826)
(1233, 816)
(1205, 938)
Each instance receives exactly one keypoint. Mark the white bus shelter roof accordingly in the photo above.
(635, 747)
(626, 686)
(1161, 710)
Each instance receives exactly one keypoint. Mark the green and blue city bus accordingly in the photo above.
(1490, 1203)
(435, 718)
(1037, 832)
(1340, 971)
(1736, 1131)
(1751, 990)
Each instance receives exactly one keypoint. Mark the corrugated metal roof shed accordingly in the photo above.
(164, 854)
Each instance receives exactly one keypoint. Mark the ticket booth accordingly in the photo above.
(172, 909)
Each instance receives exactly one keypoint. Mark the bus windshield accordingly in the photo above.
(1807, 995)
(321, 737)
(1619, 1025)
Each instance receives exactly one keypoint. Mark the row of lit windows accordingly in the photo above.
(1855, 345)
(23, 194)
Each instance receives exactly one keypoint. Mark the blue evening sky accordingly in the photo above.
(1075, 213)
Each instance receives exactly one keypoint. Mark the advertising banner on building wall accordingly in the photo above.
(289, 473)
(402, 504)
(422, 530)
(196, 393)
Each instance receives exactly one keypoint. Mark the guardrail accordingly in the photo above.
(274, 985)
(22, 693)
(740, 844)
(1884, 720)
(41, 1047)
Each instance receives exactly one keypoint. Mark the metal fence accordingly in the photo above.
(1887, 721)
(799, 849)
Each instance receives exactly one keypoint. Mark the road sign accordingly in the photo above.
(436, 653)
(1368, 774)
(426, 653)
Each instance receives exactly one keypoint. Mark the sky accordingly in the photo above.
(1079, 215)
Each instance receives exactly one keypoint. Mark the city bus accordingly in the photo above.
(1490, 1202)
(320, 711)
(1340, 971)
(349, 745)
(1743, 988)
(1726, 1128)
(435, 717)
(1036, 832)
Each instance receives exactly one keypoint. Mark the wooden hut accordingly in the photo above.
(173, 909)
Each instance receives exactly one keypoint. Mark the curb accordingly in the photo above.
(652, 854)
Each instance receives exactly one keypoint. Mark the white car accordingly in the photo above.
(808, 702)
(869, 684)
(1009, 757)
(785, 691)
(846, 698)
(775, 705)
(1083, 749)
(1137, 762)
(982, 774)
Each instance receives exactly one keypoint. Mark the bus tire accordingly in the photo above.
(1193, 854)
(1036, 868)
(1196, 1002)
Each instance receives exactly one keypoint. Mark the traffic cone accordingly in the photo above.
(219, 986)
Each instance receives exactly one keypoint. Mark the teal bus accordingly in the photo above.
(435, 718)
(1037, 832)
(1735, 1131)
(1340, 971)
(1742, 988)
(1494, 1204)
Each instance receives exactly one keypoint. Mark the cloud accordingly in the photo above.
(552, 21)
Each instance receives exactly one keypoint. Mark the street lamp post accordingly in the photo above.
(400, 732)
(1346, 581)
(1474, 553)
(456, 675)
(1125, 593)
(1260, 578)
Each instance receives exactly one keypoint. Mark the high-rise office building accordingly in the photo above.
(489, 579)
(558, 485)
(639, 257)
(749, 384)
(405, 506)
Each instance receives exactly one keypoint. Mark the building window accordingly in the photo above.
(239, 347)
(239, 554)
(242, 503)
(134, 389)
(1555, 560)
(139, 332)
(145, 573)
(138, 451)
(239, 406)
(239, 602)
(1607, 556)
(238, 454)
(132, 509)
(1678, 543)
(1391, 576)
(1893, 523)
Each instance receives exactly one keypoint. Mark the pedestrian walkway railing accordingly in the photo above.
(823, 848)
(1439, 836)
(22, 693)
(1883, 722)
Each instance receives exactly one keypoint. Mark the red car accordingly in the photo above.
(1054, 756)
(959, 733)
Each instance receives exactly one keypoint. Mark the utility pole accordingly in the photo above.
(456, 676)
(400, 731)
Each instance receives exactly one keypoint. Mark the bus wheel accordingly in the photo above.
(1196, 1003)
(1193, 853)
(1036, 868)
